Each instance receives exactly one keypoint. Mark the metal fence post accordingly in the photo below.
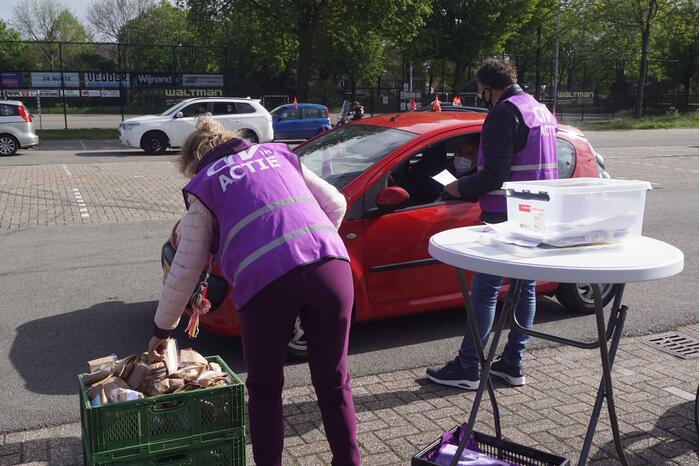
(63, 86)
(121, 75)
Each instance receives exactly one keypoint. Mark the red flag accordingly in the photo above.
(295, 103)
(436, 105)
(413, 105)
(457, 101)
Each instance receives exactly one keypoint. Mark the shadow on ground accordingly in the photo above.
(674, 434)
(48, 353)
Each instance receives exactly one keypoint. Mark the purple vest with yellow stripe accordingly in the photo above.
(268, 222)
(537, 160)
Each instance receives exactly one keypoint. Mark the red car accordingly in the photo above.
(383, 165)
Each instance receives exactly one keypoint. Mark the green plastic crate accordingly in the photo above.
(228, 451)
(159, 423)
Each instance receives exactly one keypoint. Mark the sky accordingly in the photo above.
(78, 7)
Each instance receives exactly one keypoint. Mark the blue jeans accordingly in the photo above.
(484, 296)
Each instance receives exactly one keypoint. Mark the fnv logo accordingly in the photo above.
(524, 207)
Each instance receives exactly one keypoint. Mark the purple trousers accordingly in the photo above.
(321, 294)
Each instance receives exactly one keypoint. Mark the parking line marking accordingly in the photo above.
(81, 203)
(65, 169)
(82, 144)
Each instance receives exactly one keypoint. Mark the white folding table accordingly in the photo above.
(636, 259)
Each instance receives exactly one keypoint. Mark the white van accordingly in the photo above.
(155, 133)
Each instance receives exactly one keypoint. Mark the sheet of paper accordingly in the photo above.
(444, 177)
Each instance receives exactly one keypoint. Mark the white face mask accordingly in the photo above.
(463, 164)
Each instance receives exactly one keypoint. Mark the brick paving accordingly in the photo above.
(398, 413)
(111, 192)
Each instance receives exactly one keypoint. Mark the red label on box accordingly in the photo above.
(524, 207)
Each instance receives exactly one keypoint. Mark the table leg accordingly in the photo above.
(619, 322)
(480, 350)
(508, 308)
(606, 388)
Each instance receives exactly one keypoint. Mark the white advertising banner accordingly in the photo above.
(105, 79)
(202, 80)
(110, 93)
(53, 79)
(21, 93)
(90, 93)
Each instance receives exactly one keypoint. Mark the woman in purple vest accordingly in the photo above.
(271, 225)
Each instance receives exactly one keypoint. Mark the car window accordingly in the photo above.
(289, 114)
(224, 108)
(313, 113)
(278, 110)
(566, 158)
(346, 152)
(9, 110)
(242, 107)
(415, 172)
(194, 109)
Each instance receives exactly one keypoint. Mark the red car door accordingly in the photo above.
(401, 277)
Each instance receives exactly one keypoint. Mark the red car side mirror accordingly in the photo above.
(392, 198)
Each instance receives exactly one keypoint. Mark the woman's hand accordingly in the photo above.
(156, 349)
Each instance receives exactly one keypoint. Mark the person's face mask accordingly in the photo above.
(463, 164)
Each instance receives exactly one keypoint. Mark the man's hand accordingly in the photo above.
(156, 349)
(452, 189)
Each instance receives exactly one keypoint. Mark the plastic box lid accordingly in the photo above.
(577, 185)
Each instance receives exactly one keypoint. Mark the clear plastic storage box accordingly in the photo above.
(575, 210)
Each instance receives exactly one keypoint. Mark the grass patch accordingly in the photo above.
(688, 120)
(81, 133)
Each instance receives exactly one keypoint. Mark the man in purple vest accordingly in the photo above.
(518, 142)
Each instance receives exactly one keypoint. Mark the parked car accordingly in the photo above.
(155, 133)
(16, 127)
(386, 231)
(300, 121)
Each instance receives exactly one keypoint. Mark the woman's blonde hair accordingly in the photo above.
(208, 134)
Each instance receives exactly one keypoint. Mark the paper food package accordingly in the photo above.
(129, 395)
(100, 374)
(96, 364)
(189, 356)
(171, 356)
(138, 375)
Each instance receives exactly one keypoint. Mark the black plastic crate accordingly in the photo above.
(499, 449)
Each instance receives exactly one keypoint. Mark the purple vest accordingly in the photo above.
(268, 221)
(537, 160)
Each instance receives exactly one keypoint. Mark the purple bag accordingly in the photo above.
(471, 456)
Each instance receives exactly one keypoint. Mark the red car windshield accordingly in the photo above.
(343, 154)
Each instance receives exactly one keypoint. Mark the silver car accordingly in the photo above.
(16, 127)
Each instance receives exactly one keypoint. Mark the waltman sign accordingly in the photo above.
(155, 80)
(106, 79)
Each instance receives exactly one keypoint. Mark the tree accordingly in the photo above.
(677, 42)
(460, 31)
(634, 16)
(12, 55)
(50, 21)
(151, 32)
(309, 25)
(108, 17)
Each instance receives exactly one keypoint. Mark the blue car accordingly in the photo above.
(300, 121)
